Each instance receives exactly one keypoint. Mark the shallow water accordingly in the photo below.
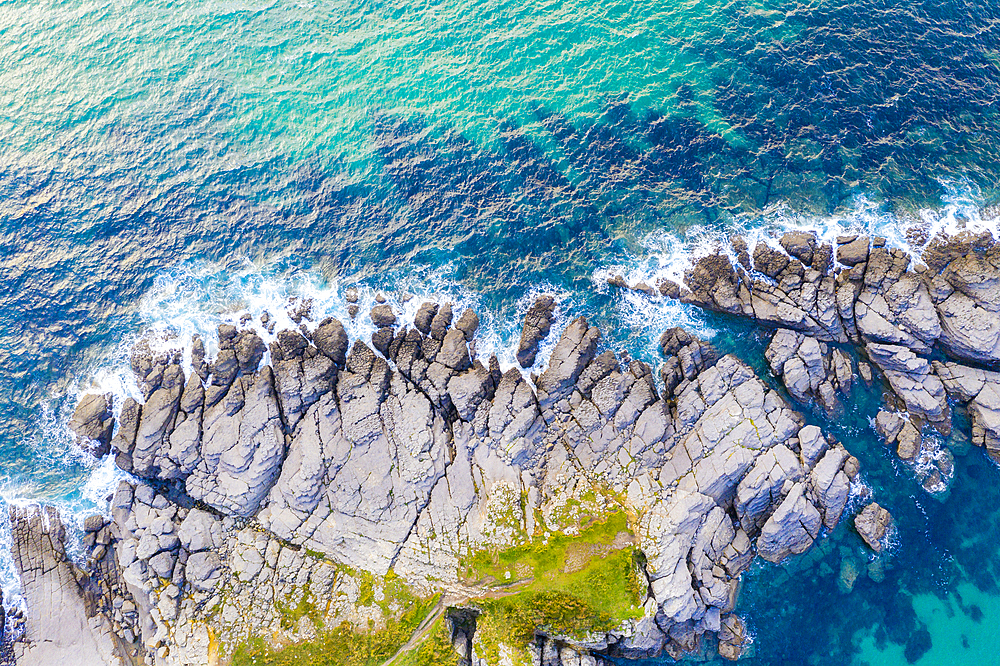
(173, 164)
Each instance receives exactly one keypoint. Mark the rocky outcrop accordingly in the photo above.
(69, 619)
(537, 324)
(895, 308)
(979, 390)
(92, 423)
(913, 380)
(932, 464)
(872, 524)
(811, 370)
(262, 481)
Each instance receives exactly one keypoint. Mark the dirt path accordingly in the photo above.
(422, 630)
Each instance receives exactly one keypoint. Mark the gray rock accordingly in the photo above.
(912, 379)
(57, 626)
(872, 524)
(92, 424)
(572, 353)
(888, 425)
(163, 564)
(980, 391)
(908, 441)
(243, 448)
(383, 316)
(94, 523)
(791, 529)
(537, 324)
(799, 244)
(853, 252)
(203, 570)
(468, 323)
(425, 315)
(331, 339)
(128, 425)
(200, 530)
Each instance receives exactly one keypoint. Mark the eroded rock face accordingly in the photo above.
(537, 323)
(70, 617)
(414, 455)
(894, 308)
(811, 370)
(92, 423)
(980, 391)
(872, 524)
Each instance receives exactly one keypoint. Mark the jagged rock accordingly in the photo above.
(242, 449)
(198, 362)
(913, 380)
(799, 244)
(894, 306)
(425, 315)
(980, 391)
(572, 353)
(537, 324)
(441, 322)
(411, 463)
(59, 628)
(362, 463)
(249, 350)
(157, 422)
(732, 638)
(92, 424)
(200, 530)
(383, 316)
(830, 485)
(852, 250)
(331, 339)
(872, 524)
(908, 441)
(468, 323)
(128, 426)
(810, 370)
(888, 425)
(967, 296)
(791, 529)
(203, 570)
(686, 357)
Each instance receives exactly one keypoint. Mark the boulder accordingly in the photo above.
(792, 528)
(872, 524)
(537, 324)
(92, 423)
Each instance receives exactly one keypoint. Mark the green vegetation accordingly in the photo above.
(346, 645)
(343, 646)
(291, 613)
(544, 558)
(568, 585)
(435, 650)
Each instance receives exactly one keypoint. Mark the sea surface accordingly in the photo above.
(171, 165)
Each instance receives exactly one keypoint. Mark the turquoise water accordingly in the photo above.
(163, 162)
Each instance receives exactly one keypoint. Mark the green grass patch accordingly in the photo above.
(540, 558)
(346, 645)
(292, 612)
(577, 584)
(435, 650)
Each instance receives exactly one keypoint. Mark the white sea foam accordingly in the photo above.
(669, 254)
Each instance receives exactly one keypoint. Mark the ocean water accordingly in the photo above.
(170, 165)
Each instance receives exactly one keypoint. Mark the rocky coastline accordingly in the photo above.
(311, 489)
